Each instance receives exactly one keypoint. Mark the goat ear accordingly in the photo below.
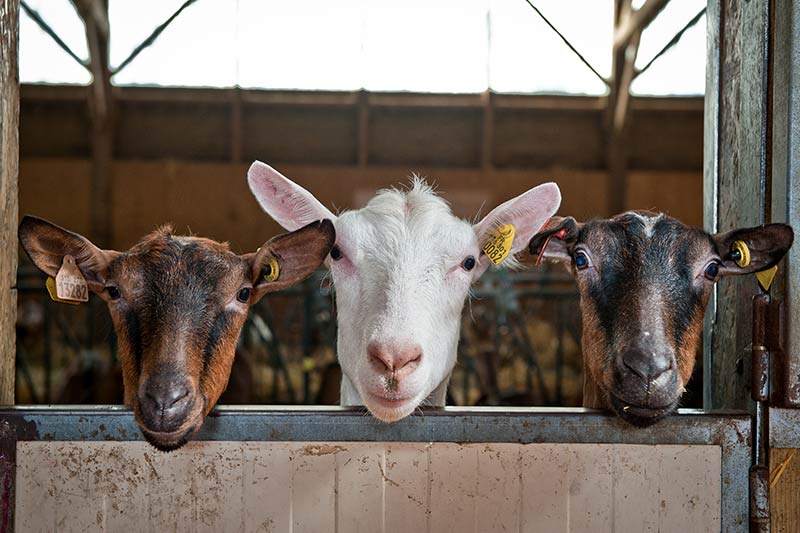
(767, 245)
(555, 240)
(528, 212)
(296, 255)
(47, 244)
(288, 203)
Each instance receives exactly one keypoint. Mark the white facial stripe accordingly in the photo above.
(649, 222)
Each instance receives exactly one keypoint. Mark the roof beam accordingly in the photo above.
(636, 21)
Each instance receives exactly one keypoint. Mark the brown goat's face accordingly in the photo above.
(178, 305)
(644, 281)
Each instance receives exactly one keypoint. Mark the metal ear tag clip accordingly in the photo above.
(498, 246)
(271, 270)
(69, 285)
(740, 254)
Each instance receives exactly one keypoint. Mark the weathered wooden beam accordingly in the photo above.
(101, 107)
(487, 131)
(637, 21)
(9, 171)
(617, 104)
(96, 11)
(736, 182)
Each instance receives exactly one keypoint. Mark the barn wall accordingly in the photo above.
(212, 199)
(361, 486)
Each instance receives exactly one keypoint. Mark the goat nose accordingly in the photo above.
(165, 401)
(645, 364)
(165, 398)
(393, 357)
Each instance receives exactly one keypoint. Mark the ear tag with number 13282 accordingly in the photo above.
(70, 285)
(498, 246)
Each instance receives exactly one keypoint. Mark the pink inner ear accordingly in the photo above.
(528, 212)
(288, 203)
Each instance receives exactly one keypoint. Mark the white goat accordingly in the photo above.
(402, 267)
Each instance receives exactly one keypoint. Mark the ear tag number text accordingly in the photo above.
(70, 284)
(498, 246)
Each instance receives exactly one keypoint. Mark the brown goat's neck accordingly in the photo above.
(592, 395)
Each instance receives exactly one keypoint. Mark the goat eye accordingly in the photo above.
(712, 271)
(468, 263)
(581, 260)
(113, 293)
(244, 295)
(336, 253)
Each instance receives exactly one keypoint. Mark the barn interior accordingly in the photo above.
(138, 114)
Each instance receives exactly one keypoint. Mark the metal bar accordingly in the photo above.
(672, 42)
(569, 44)
(34, 15)
(152, 37)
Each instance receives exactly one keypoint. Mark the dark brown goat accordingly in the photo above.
(644, 281)
(178, 304)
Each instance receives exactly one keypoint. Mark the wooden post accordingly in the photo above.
(736, 183)
(785, 382)
(101, 107)
(9, 171)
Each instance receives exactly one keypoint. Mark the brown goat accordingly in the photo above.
(178, 304)
(644, 281)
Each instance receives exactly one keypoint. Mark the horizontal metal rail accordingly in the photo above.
(731, 431)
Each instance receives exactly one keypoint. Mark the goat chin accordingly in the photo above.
(391, 410)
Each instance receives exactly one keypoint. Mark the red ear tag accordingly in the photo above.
(560, 234)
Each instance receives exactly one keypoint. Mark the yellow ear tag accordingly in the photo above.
(51, 290)
(498, 246)
(741, 254)
(271, 271)
(765, 277)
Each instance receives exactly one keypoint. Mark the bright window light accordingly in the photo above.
(424, 46)
(528, 57)
(447, 46)
(41, 60)
(303, 44)
(682, 69)
(198, 49)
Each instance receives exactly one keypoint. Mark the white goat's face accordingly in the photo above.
(402, 267)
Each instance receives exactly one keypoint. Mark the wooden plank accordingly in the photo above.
(313, 487)
(499, 487)
(784, 490)
(9, 171)
(354, 486)
(267, 471)
(544, 505)
(453, 482)
(407, 478)
(741, 195)
(360, 482)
